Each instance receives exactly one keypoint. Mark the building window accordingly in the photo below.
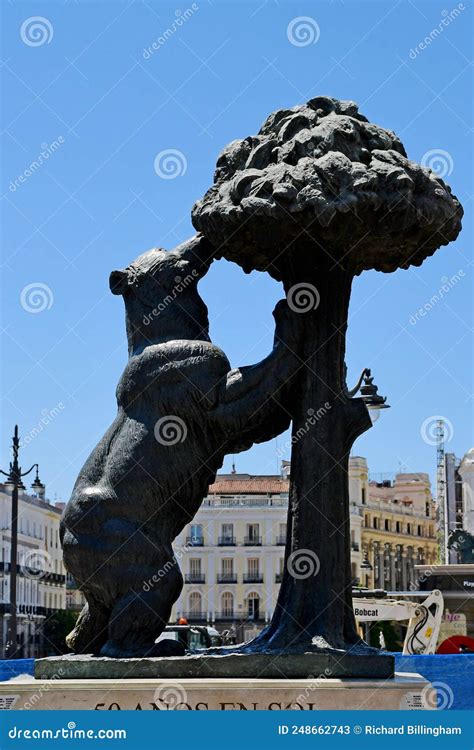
(253, 571)
(408, 528)
(253, 606)
(253, 565)
(227, 571)
(427, 510)
(253, 534)
(398, 527)
(196, 538)
(363, 496)
(387, 525)
(420, 531)
(375, 524)
(195, 603)
(227, 604)
(281, 539)
(195, 566)
(366, 521)
(227, 533)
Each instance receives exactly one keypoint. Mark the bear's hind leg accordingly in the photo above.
(90, 631)
(140, 616)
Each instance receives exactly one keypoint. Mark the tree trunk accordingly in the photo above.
(315, 601)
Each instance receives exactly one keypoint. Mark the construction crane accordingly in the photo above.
(441, 493)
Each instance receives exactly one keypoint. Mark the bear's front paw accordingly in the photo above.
(289, 327)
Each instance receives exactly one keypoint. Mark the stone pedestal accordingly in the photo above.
(402, 692)
(221, 665)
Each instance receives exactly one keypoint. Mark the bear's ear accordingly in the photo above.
(118, 282)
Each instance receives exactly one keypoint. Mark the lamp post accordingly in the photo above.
(366, 566)
(14, 477)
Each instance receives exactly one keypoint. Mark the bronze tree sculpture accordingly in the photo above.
(319, 195)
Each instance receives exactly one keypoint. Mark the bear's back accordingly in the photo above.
(173, 377)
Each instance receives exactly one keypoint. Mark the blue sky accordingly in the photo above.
(82, 84)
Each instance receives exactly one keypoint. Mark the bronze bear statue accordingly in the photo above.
(181, 409)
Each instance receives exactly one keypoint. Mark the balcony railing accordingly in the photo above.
(239, 616)
(25, 571)
(275, 501)
(253, 541)
(253, 577)
(195, 616)
(195, 541)
(227, 578)
(281, 540)
(195, 578)
(226, 541)
(226, 615)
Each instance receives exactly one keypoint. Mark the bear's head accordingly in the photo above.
(160, 293)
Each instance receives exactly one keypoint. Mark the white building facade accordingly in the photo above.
(232, 554)
(41, 577)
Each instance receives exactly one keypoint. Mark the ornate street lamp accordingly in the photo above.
(37, 486)
(14, 477)
(369, 393)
